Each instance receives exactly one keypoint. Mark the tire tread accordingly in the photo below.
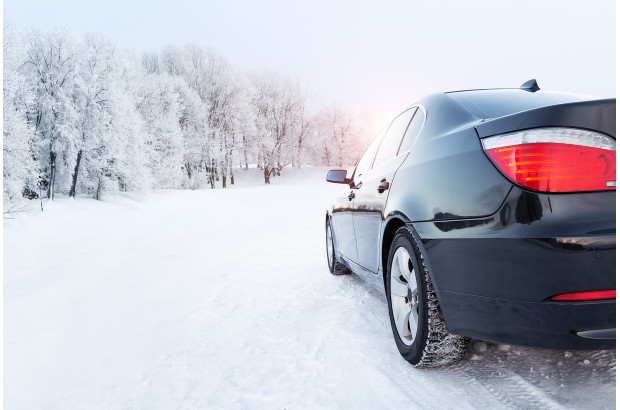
(340, 269)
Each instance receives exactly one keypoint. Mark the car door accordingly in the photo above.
(342, 217)
(342, 225)
(373, 188)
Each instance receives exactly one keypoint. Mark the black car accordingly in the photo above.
(486, 214)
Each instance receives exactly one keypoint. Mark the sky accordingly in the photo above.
(374, 57)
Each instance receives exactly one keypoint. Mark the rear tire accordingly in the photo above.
(335, 267)
(417, 323)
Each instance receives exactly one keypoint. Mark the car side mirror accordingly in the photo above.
(338, 176)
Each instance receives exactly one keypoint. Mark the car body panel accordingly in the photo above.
(596, 115)
(458, 180)
(369, 211)
(551, 325)
(342, 225)
(536, 246)
(506, 266)
(500, 102)
(372, 278)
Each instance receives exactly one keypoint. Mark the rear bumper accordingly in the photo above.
(553, 325)
(494, 276)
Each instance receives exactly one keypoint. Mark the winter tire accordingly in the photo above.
(417, 322)
(335, 267)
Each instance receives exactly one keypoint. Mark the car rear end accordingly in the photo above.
(541, 270)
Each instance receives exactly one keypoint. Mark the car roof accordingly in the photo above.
(499, 102)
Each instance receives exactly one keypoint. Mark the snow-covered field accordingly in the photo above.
(222, 299)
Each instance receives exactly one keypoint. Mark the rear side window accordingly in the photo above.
(393, 137)
(415, 126)
(365, 161)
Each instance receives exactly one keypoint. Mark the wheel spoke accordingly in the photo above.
(402, 321)
(413, 285)
(413, 321)
(398, 287)
(403, 264)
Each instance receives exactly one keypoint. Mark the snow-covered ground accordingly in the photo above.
(222, 299)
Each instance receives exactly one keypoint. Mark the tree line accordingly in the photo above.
(82, 116)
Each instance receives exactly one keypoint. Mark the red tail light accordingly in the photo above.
(556, 159)
(594, 295)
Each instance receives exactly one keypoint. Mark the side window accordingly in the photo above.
(413, 131)
(393, 137)
(365, 161)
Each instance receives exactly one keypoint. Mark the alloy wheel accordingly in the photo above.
(404, 296)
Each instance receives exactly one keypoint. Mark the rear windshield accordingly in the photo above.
(500, 102)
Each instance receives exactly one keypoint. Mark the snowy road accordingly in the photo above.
(222, 299)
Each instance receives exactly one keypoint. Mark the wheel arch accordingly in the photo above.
(393, 225)
(389, 231)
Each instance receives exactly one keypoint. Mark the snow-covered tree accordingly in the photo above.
(193, 129)
(133, 166)
(159, 108)
(278, 108)
(93, 95)
(50, 67)
(340, 129)
(228, 112)
(19, 168)
(82, 117)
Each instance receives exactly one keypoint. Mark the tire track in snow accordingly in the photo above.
(504, 386)
(510, 389)
(423, 392)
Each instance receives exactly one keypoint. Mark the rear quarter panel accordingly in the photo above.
(446, 175)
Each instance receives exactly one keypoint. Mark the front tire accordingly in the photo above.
(335, 267)
(417, 322)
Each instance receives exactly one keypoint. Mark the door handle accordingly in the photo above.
(383, 185)
(351, 196)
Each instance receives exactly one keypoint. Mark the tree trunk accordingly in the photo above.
(298, 153)
(209, 173)
(267, 174)
(245, 152)
(229, 167)
(50, 188)
(326, 153)
(98, 194)
(72, 191)
(224, 168)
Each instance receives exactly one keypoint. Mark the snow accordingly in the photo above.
(222, 299)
